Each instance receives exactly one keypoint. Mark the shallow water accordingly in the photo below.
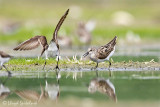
(141, 86)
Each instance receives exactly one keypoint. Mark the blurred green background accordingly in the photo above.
(112, 17)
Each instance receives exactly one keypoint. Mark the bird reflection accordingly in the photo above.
(4, 91)
(50, 92)
(32, 95)
(103, 86)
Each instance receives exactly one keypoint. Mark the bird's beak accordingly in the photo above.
(85, 54)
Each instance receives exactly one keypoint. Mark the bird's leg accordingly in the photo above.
(96, 70)
(9, 73)
(110, 73)
(0, 67)
(97, 73)
(37, 61)
(5, 67)
(46, 54)
(45, 59)
(44, 64)
(40, 56)
(110, 64)
(95, 66)
(57, 67)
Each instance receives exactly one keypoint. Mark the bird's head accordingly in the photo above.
(90, 50)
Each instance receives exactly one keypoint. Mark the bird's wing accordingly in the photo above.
(58, 27)
(107, 88)
(103, 51)
(112, 42)
(29, 44)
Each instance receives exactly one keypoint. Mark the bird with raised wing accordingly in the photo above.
(102, 53)
(37, 41)
(3, 59)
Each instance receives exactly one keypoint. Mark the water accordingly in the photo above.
(134, 86)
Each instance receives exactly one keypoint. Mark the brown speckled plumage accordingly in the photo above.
(102, 53)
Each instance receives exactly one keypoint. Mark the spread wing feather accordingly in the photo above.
(112, 42)
(29, 44)
(58, 26)
(105, 50)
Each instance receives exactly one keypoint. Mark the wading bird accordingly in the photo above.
(3, 59)
(103, 53)
(41, 40)
(83, 34)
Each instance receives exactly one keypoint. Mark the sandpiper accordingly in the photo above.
(3, 59)
(83, 34)
(103, 53)
(41, 40)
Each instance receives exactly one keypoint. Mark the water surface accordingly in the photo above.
(133, 86)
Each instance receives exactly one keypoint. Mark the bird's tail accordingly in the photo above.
(113, 41)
